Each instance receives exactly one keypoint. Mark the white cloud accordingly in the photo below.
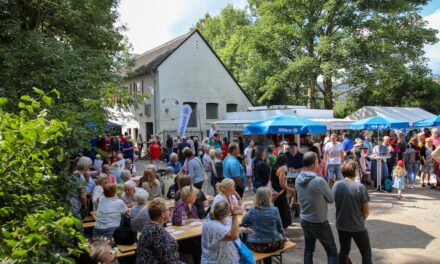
(433, 51)
(151, 23)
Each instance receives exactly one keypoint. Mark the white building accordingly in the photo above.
(182, 71)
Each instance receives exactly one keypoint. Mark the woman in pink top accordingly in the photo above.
(111, 178)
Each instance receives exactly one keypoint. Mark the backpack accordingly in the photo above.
(388, 185)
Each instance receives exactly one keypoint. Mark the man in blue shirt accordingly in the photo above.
(347, 143)
(233, 169)
(128, 149)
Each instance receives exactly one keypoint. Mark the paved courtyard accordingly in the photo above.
(401, 231)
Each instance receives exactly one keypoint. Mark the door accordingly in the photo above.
(148, 130)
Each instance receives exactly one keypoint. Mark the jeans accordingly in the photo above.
(411, 169)
(334, 170)
(324, 234)
(104, 232)
(362, 241)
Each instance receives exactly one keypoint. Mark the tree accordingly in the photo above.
(407, 90)
(291, 44)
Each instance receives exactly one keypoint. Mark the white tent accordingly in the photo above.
(410, 114)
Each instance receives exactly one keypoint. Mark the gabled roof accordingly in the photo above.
(410, 114)
(152, 59)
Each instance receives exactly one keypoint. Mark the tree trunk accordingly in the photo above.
(328, 93)
(311, 100)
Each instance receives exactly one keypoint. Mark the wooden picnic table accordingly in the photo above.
(188, 232)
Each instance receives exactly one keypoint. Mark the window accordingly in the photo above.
(211, 111)
(147, 110)
(192, 122)
(231, 108)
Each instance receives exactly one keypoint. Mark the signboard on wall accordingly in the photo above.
(169, 101)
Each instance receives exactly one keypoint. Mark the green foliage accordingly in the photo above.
(413, 91)
(283, 47)
(344, 108)
(48, 236)
(34, 186)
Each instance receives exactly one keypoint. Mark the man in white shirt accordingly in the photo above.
(213, 130)
(333, 155)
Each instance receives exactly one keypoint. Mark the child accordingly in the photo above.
(399, 174)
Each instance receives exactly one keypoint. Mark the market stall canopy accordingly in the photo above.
(409, 114)
(379, 123)
(430, 122)
(285, 124)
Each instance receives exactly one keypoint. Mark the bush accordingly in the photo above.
(36, 226)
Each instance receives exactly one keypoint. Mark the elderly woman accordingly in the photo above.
(139, 212)
(115, 169)
(129, 191)
(219, 233)
(201, 201)
(194, 168)
(265, 221)
(185, 207)
(185, 212)
(110, 210)
(125, 175)
(98, 191)
(111, 178)
(151, 184)
(78, 197)
(226, 192)
(174, 163)
(101, 251)
(155, 244)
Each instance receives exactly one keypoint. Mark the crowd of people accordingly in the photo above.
(286, 183)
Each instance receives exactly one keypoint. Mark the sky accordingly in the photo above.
(151, 23)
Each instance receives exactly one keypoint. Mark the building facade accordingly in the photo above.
(183, 71)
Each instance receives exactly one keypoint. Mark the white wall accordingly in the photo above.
(139, 114)
(194, 74)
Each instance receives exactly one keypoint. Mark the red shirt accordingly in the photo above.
(155, 151)
(225, 151)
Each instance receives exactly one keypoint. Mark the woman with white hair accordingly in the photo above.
(78, 197)
(115, 169)
(125, 175)
(139, 212)
(174, 163)
(98, 191)
(101, 251)
(269, 233)
(129, 191)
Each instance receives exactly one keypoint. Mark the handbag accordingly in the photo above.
(246, 255)
(124, 235)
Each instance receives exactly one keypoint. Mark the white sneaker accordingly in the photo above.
(246, 189)
(411, 186)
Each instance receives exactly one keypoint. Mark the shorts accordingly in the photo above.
(332, 170)
(428, 168)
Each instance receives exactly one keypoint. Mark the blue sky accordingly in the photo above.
(151, 23)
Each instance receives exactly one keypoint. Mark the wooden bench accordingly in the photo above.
(89, 225)
(88, 218)
(277, 255)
